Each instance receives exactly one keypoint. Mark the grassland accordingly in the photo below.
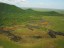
(32, 26)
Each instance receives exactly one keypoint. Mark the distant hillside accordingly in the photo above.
(11, 15)
(51, 13)
(47, 9)
(9, 8)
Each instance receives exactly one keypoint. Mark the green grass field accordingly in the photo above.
(29, 24)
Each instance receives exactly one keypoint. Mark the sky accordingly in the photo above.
(52, 4)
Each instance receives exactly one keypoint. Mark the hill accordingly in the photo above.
(8, 13)
(12, 15)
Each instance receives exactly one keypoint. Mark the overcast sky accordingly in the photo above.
(53, 4)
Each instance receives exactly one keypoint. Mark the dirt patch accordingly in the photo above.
(10, 35)
(54, 33)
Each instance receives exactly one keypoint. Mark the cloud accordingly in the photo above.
(12, 1)
(36, 3)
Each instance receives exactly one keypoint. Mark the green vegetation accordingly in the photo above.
(32, 26)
